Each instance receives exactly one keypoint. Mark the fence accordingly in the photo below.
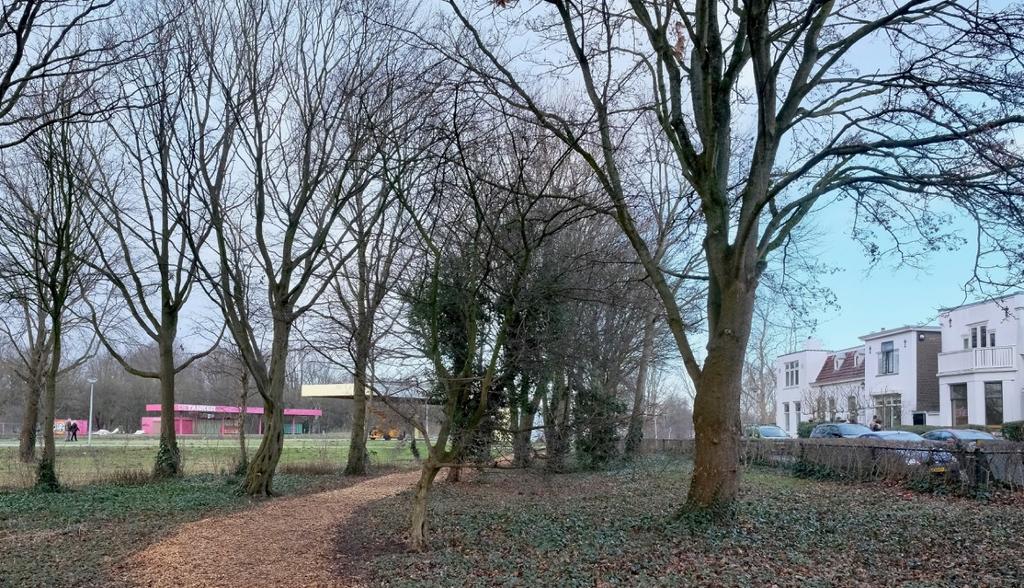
(962, 467)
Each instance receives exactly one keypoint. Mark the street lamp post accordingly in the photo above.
(92, 385)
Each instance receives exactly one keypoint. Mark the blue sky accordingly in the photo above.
(887, 295)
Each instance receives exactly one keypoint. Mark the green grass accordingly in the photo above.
(79, 464)
(623, 528)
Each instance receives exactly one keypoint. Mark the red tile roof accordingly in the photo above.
(849, 369)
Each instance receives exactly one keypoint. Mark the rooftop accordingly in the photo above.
(883, 332)
(850, 368)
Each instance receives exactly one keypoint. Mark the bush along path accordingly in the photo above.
(281, 542)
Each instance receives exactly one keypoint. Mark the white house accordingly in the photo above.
(980, 368)
(900, 381)
(794, 373)
(837, 392)
(892, 375)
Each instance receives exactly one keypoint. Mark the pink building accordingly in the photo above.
(219, 421)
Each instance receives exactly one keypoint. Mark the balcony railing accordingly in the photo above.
(981, 358)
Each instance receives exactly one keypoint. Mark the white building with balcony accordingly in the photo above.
(980, 368)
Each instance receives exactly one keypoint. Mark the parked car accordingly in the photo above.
(766, 432)
(958, 435)
(936, 460)
(839, 430)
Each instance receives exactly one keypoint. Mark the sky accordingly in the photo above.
(886, 296)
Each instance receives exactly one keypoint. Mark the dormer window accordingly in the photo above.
(838, 363)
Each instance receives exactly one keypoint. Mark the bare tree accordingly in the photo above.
(930, 124)
(293, 78)
(44, 225)
(42, 41)
(145, 202)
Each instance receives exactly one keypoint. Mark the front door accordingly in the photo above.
(958, 403)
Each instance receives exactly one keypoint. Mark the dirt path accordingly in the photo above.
(284, 542)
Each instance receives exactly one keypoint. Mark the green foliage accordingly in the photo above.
(1013, 431)
(803, 430)
(597, 416)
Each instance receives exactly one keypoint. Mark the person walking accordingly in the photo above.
(73, 429)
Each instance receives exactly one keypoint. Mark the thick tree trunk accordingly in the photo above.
(168, 456)
(716, 411)
(260, 476)
(357, 455)
(46, 473)
(418, 520)
(635, 433)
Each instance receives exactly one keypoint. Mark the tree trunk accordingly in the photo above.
(46, 473)
(522, 447)
(33, 388)
(243, 402)
(418, 522)
(29, 422)
(260, 476)
(556, 433)
(168, 457)
(635, 433)
(716, 410)
(357, 455)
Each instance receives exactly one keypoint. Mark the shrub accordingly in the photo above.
(1013, 431)
(803, 430)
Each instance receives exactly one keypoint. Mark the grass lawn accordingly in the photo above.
(620, 528)
(79, 464)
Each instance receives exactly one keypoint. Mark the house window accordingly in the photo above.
(819, 409)
(785, 411)
(993, 403)
(958, 403)
(796, 411)
(919, 419)
(792, 373)
(888, 360)
(967, 343)
(851, 409)
(888, 407)
(832, 409)
(982, 337)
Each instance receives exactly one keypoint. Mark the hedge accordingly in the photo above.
(803, 430)
(1013, 431)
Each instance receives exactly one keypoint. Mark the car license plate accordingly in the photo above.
(938, 470)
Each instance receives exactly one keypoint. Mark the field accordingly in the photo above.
(79, 464)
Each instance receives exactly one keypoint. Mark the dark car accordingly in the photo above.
(839, 431)
(958, 436)
(766, 432)
(936, 460)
